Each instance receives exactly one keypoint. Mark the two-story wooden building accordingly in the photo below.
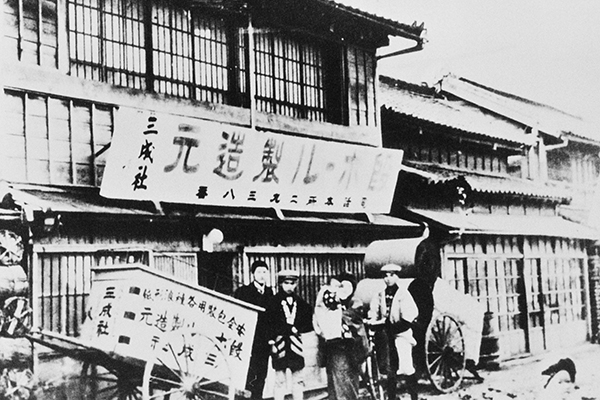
(478, 170)
(220, 132)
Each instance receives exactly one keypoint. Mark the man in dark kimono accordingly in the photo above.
(258, 293)
(289, 316)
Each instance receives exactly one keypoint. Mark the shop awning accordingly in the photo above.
(521, 225)
(35, 198)
(485, 183)
(64, 201)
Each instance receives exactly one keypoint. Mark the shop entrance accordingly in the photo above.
(534, 286)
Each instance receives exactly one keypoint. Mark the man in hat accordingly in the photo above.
(258, 293)
(397, 309)
(289, 316)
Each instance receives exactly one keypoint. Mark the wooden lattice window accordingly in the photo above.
(195, 52)
(191, 55)
(53, 140)
(361, 90)
(30, 28)
(289, 77)
(156, 46)
(107, 41)
(62, 282)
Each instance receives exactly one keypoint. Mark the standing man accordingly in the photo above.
(258, 293)
(289, 316)
(397, 309)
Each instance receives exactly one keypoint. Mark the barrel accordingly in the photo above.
(489, 352)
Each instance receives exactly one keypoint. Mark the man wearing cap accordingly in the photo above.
(397, 309)
(289, 316)
(258, 293)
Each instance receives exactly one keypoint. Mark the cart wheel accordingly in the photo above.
(17, 317)
(98, 383)
(188, 365)
(445, 353)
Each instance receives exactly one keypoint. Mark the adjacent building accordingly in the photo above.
(492, 175)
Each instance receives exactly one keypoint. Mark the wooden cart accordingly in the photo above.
(149, 336)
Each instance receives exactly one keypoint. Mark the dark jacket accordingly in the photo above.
(422, 293)
(286, 340)
(250, 294)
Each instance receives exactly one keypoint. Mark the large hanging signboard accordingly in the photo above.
(164, 157)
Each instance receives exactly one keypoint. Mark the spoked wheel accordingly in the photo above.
(98, 383)
(17, 317)
(188, 365)
(445, 353)
(373, 378)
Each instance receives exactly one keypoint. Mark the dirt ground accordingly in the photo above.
(522, 379)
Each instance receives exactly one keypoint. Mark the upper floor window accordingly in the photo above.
(158, 47)
(196, 52)
(31, 31)
(106, 41)
(289, 76)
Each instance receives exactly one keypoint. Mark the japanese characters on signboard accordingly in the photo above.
(170, 158)
(131, 315)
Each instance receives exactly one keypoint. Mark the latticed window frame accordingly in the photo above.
(62, 281)
(153, 46)
(198, 53)
(54, 140)
(32, 26)
(289, 76)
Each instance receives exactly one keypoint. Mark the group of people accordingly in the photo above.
(398, 315)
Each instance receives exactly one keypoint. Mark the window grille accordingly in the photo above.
(190, 54)
(107, 41)
(175, 51)
(289, 77)
(361, 91)
(53, 140)
(30, 28)
(534, 289)
(180, 265)
(194, 52)
(62, 282)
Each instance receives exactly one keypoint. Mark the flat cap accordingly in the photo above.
(391, 268)
(288, 274)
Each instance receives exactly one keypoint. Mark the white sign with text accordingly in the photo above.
(164, 157)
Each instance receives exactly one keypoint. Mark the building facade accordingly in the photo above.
(164, 106)
(482, 178)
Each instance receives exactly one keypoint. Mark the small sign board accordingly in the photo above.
(133, 307)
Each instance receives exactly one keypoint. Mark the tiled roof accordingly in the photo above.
(412, 31)
(482, 183)
(543, 113)
(421, 103)
(525, 225)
